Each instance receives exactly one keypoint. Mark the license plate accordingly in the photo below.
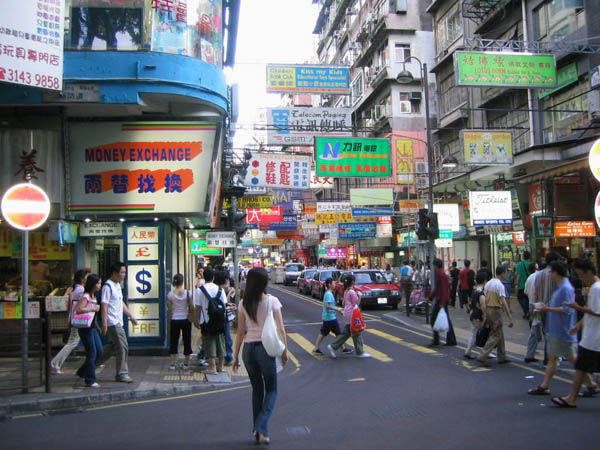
(382, 301)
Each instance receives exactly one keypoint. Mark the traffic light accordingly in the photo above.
(432, 225)
(427, 225)
(422, 234)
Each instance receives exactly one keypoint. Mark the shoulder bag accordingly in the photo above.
(83, 320)
(270, 336)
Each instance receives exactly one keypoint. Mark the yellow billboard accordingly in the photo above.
(405, 164)
(486, 147)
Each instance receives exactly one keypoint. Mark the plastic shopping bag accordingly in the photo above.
(441, 322)
(358, 324)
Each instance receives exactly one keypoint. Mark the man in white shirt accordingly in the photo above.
(112, 311)
(588, 351)
(213, 343)
(535, 324)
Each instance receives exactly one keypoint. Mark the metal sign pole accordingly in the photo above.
(236, 268)
(24, 304)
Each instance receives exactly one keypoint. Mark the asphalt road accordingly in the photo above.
(407, 396)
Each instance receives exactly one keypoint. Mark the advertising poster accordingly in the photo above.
(264, 215)
(279, 171)
(404, 161)
(140, 167)
(32, 43)
(170, 27)
(299, 126)
(486, 147)
(352, 157)
(505, 69)
(448, 218)
(308, 79)
(490, 208)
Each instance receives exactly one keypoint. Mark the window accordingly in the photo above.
(451, 96)
(448, 28)
(402, 52)
(405, 104)
(568, 110)
(357, 88)
(556, 19)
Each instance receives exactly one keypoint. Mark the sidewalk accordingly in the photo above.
(151, 375)
(515, 338)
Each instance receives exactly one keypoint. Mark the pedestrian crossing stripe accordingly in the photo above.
(376, 354)
(305, 344)
(400, 341)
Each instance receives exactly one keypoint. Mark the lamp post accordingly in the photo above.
(405, 77)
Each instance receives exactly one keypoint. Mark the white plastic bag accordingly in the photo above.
(270, 336)
(441, 322)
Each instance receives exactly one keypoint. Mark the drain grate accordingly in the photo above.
(396, 412)
(298, 431)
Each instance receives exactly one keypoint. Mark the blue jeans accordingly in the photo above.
(263, 377)
(228, 343)
(93, 351)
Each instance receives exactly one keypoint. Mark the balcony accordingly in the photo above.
(481, 10)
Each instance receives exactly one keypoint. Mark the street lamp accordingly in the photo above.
(405, 77)
(449, 162)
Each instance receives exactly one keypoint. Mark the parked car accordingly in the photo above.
(372, 286)
(304, 280)
(317, 284)
(292, 271)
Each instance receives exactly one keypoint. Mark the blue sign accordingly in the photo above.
(373, 211)
(484, 222)
(289, 223)
(357, 230)
(292, 78)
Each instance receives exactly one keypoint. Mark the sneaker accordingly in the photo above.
(331, 351)
(347, 351)
(203, 363)
(363, 355)
(173, 367)
(93, 385)
(124, 379)
(56, 370)
(317, 352)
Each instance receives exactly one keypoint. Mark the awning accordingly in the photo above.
(556, 171)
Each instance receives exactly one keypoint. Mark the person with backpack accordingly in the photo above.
(224, 282)
(521, 278)
(406, 274)
(180, 309)
(210, 317)
(476, 316)
(85, 310)
(78, 282)
(261, 368)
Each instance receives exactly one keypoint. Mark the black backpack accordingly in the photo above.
(217, 316)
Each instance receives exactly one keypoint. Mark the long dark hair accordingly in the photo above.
(256, 285)
(348, 282)
(90, 283)
(78, 277)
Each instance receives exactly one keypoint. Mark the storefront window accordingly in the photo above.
(183, 27)
(566, 111)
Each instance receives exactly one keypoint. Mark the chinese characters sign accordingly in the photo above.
(31, 43)
(198, 247)
(320, 182)
(484, 147)
(357, 230)
(264, 215)
(404, 161)
(490, 208)
(336, 252)
(580, 228)
(140, 167)
(280, 171)
(299, 126)
(221, 239)
(352, 157)
(308, 79)
(495, 69)
(101, 229)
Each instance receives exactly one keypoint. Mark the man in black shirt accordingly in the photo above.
(454, 277)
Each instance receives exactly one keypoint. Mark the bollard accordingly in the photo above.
(48, 358)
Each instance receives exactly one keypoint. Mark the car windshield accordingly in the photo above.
(309, 273)
(294, 268)
(333, 274)
(370, 278)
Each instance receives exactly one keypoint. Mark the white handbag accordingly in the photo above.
(270, 336)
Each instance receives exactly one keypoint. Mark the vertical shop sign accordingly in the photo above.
(405, 165)
(543, 227)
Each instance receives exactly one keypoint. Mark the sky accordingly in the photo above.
(270, 31)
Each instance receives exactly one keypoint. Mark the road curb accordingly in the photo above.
(49, 406)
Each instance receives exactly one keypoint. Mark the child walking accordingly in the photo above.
(330, 323)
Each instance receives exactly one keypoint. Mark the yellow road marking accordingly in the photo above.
(374, 353)
(305, 344)
(294, 360)
(357, 379)
(397, 340)
(27, 416)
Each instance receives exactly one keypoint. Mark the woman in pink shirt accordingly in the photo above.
(351, 300)
(261, 368)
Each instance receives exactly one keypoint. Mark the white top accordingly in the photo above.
(254, 329)
(530, 288)
(202, 301)
(112, 295)
(494, 291)
(74, 298)
(180, 305)
(590, 337)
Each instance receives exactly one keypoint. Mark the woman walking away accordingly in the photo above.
(476, 316)
(73, 342)
(351, 299)
(180, 308)
(261, 368)
(89, 335)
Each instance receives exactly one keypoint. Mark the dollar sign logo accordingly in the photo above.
(141, 279)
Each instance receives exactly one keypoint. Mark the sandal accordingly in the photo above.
(562, 403)
(589, 392)
(539, 391)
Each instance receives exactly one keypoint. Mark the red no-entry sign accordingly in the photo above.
(25, 206)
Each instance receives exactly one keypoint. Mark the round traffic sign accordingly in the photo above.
(25, 206)
(597, 210)
(594, 159)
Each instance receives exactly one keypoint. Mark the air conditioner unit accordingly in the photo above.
(594, 105)
(415, 96)
(398, 6)
(421, 167)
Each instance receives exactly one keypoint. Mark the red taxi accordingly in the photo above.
(372, 286)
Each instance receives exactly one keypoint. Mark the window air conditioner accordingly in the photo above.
(415, 96)
(398, 6)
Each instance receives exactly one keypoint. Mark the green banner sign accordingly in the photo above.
(198, 247)
(445, 234)
(352, 157)
(566, 76)
(499, 69)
